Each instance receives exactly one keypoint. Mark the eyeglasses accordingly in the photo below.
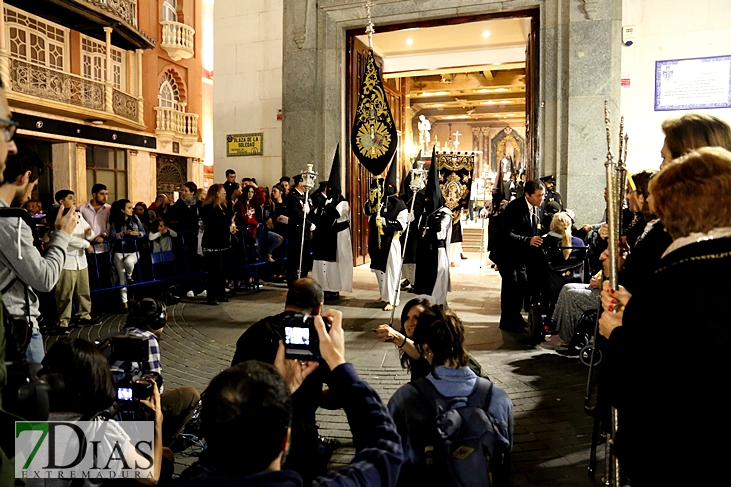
(10, 127)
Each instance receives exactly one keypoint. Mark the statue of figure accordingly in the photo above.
(424, 136)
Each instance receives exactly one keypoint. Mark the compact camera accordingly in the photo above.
(133, 387)
(129, 389)
(301, 341)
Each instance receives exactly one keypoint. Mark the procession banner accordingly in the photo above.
(455, 180)
(373, 137)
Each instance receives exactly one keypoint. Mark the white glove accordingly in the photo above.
(411, 217)
(483, 213)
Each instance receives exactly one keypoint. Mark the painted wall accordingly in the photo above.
(665, 29)
(248, 85)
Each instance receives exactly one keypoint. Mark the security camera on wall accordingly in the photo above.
(628, 36)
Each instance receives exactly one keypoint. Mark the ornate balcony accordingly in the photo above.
(69, 94)
(177, 39)
(89, 16)
(176, 125)
(55, 85)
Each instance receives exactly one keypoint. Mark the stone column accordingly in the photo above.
(108, 87)
(4, 55)
(133, 176)
(79, 182)
(153, 175)
(303, 87)
(131, 73)
(64, 156)
(195, 171)
(584, 73)
(140, 99)
(139, 174)
(476, 148)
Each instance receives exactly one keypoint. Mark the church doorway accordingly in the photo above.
(466, 84)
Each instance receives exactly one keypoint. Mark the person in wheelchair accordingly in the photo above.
(564, 261)
(560, 238)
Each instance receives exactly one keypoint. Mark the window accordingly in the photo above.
(170, 10)
(94, 61)
(109, 167)
(169, 94)
(35, 40)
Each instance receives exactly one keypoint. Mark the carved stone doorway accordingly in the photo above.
(172, 172)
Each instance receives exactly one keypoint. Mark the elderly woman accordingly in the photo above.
(686, 297)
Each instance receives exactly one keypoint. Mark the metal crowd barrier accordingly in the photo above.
(181, 263)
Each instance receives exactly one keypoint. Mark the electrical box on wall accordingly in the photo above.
(628, 36)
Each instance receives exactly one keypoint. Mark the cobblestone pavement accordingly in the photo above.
(552, 433)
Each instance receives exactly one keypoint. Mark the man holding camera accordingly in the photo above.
(309, 454)
(248, 421)
(146, 321)
(22, 267)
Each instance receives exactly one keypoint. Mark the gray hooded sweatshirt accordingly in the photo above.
(20, 259)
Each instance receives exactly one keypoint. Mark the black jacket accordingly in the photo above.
(378, 451)
(260, 342)
(217, 221)
(182, 217)
(296, 213)
(669, 361)
(513, 238)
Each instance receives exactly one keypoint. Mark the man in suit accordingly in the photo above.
(521, 230)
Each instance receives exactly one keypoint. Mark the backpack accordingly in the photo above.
(462, 444)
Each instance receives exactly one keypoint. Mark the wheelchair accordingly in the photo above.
(549, 275)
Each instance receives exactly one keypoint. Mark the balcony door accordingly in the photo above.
(170, 10)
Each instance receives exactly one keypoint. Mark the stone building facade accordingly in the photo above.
(104, 90)
(295, 55)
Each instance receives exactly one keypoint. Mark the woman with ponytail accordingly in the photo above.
(560, 235)
(439, 336)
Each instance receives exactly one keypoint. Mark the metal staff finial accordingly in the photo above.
(626, 143)
(620, 153)
(608, 127)
(370, 26)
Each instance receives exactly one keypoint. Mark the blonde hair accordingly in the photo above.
(693, 131)
(561, 224)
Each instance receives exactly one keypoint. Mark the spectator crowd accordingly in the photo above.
(450, 425)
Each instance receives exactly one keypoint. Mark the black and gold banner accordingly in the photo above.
(373, 136)
(455, 179)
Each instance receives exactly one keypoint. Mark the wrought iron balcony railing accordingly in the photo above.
(58, 86)
(55, 85)
(126, 9)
